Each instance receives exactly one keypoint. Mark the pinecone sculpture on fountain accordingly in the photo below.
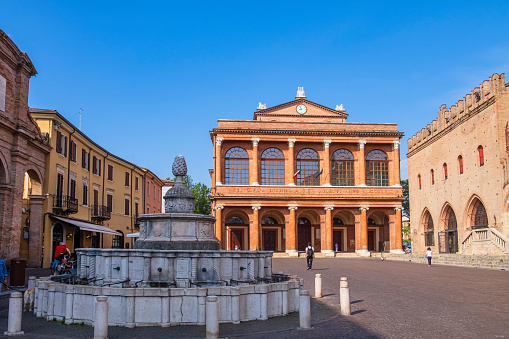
(179, 166)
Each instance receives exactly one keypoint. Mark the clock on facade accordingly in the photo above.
(301, 109)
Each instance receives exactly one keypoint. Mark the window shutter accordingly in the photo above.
(99, 167)
(127, 179)
(83, 158)
(110, 172)
(65, 145)
(126, 207)
(110, 202)
(88, 162)
(136, 183)
(94, 165)
(59, 142)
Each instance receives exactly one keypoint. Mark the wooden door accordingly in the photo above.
(304, 236)
(371, 240)
(337, 238)
(236, 239)
(269, 240)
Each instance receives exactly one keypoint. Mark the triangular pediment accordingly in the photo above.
(308, 111)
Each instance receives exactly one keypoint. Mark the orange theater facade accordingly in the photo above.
(299, 173)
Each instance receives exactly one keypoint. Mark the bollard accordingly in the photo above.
(212, 318)
(15, 313)
(305, 310)
(344, 296)
(101, 318)
(318, 285)
(31, 282)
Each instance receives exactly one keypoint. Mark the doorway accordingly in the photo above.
(58, 237)
(304, 234)
(236, 237)
(269, 240)
(337, 237)
(371, 240)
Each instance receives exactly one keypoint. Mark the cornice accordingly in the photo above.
(306, 132)
(453, 126)
(299, 101)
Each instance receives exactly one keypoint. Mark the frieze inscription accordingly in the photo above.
(285, 191)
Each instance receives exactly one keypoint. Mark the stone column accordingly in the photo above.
(35, 235)
(235, 293)
(304, 310)
(396, 177)
(254, 230)
(363, 251)
(397, 245)
(212, 318)
(218, 169)
(101, 318)
(219, 225)
(291, 233)
(326, 175)
(362, 163)
(327, 236)
(291, 164)
(254, 164)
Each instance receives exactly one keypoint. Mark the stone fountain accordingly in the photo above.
(164, 280)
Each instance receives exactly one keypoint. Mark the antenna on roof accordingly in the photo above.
(79, 114)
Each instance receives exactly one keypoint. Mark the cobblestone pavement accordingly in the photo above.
(389, 299)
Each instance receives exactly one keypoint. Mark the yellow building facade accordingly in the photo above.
(92, 197)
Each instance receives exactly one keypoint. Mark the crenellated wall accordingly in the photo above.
(471, 104)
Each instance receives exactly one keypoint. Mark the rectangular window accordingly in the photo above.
(127, 208)
(73, 151)
(85, 194)
(96, 165)
(110, 172)
(127, 179)
(61, 144)
(85, 159)
(60, 189)
(109, 202)
(136, 185)
(73, 189)
(148, 189)
(136, 209)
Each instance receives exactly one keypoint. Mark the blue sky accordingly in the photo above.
(153, 78)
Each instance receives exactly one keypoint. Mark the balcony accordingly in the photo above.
(64, 204)
(100, 212)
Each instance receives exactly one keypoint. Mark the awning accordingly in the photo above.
(87, 226)
(133, 235)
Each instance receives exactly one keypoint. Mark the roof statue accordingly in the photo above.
(262, 106)
(340, 108)
(300, 92)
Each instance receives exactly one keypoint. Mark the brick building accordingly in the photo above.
(299, 173)
(22, 154)
(458, 175)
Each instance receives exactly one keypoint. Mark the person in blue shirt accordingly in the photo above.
(3, 274)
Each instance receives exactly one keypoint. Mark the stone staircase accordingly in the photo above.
(500, 262)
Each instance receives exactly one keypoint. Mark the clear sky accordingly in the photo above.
(153, 77)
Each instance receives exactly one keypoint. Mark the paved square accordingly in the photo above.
(390, 299)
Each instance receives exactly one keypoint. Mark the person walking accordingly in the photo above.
(3, 275)
(310, 252)
(428, 256)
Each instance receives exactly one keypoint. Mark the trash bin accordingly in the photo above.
(17, 273)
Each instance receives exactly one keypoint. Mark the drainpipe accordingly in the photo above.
(132, 204)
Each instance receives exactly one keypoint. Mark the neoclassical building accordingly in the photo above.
(22, 158)
(298, 173)
(458, 175)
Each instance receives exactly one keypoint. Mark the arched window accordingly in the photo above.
(480, 150)
(236, 220)
(429, 230)
(342, 168)
(432, 177)
(419, 180)
(377, 169)
(445, 171)
(450, 220)
(337, 221)
(269, 221)
(118, 240)
(460, 164)
(478, 217)
(236, 169)
(307, 168)
(273, 167)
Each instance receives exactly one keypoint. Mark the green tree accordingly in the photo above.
(406, 202)
(201, 194)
